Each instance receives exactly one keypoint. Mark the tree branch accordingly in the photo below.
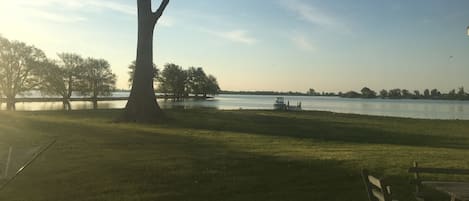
(158, 13)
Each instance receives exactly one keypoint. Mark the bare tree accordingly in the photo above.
(20, 66)
(96, 80)
(142, 105)
(61, 78)
(54, 82)
(71, 65)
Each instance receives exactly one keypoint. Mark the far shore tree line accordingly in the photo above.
(24, 68)
(454, 94)
(177, 83)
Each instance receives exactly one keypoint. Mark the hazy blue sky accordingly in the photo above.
(277, 45)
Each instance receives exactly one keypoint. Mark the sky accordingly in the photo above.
(278, 45)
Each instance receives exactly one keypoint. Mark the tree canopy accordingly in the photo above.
(24, 68)
(96, 79)
(61, 77)
(173, 80)
(179, 83)
(454, 94)
(20, 68)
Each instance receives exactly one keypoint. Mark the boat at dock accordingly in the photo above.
(281, 105)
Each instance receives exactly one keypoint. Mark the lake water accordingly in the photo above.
(424, 109)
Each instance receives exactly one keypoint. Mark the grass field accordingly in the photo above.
(209, 155)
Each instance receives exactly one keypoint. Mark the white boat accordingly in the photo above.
(280, 105)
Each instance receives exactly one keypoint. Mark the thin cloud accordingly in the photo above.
(238, 36)
(54, 10)
(310, 14)
(118, 7)
(44, 9)
(303, 42)
(166, 21)
(54, 17)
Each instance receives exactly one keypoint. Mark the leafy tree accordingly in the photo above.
(417, 93)
(197, 80)
(173, 81)
(20, 67)
(383, 93)
(63, 81)
(142, 105)
(435, 93)
(156, 72)
(426, 93)
(461, 92)
(406, 93)
(212, 86)
(351, 94)
(368, 93)
(452, 93)
(54, 82)
(395, 93)
(71, 64)
(311, 92)
(96, 80)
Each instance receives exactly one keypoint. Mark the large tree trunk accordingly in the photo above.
(142, 105)
(66, 101)
(11, 103)
(66, 104)
(95, 103)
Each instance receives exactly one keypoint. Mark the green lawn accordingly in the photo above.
(224, 155)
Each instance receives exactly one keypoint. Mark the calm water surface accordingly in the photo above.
(425, 109)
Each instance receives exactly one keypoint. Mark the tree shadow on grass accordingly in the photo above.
(326, 129)
(95, 163)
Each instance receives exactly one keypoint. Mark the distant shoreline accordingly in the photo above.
(345, 96)
(99, 99)
(270, 93)
(254, 93)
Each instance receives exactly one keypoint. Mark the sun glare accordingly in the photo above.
(9, 15)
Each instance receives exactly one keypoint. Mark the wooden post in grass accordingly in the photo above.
(417, 179)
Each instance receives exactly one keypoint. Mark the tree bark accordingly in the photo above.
(142, 105)
(95, 103)
(11, 103)
(66, 104)
(10, 106)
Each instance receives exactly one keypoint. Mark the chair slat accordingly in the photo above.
(376, 182)
(378, 195)
(376, 188)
